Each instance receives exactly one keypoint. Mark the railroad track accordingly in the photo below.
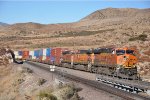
(96, 84)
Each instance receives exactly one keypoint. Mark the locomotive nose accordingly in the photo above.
(125, 58)
(131, 61)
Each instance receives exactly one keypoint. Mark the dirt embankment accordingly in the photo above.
(19, 83)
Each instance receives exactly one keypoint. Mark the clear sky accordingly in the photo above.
(58, 11)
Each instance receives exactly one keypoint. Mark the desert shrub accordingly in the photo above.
(75, 96)
(46, 96)
(27, 70)
(71, 92)
(81, 33)
(141, 37)
(18, 81)
(41, 81)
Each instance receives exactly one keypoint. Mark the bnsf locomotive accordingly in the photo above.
(117, 62)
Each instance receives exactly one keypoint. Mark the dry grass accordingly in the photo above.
(9, 83)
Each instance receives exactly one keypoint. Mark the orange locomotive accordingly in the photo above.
(120, 62)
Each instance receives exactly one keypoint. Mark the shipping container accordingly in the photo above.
(36, 55)
(20, 53)
(56, 55)
(31, 54)
(48, 53)
(17, 56)
(41, 52)
(25, 55)
(40, 55)
(44, 55)
(52, 60)
(53, 52)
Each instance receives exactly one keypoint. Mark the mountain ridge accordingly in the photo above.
(110, 26)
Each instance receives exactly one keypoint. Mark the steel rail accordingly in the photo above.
(95, 84)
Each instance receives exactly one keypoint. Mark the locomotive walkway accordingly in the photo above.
(94, 83)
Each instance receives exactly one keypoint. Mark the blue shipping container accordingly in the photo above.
(41, 52)
(52, 59)
(48, 52)
(20, 53)
(36, 53)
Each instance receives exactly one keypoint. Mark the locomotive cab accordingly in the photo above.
(126, 57)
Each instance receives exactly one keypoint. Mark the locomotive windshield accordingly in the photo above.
(83, 51)
(120, 52)
(130, 51)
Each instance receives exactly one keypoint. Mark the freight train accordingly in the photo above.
(115, 62)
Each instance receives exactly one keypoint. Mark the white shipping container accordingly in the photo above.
(31, 54)
(44, 58)
(34, 57)
(18, 57)
(44, 52)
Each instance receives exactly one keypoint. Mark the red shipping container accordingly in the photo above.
(48, 58)
(40, 58)
(25, 55)
(58, 57)
(53, 52)
(56, 54)
(47, 61)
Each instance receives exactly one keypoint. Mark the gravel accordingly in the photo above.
(87, 92)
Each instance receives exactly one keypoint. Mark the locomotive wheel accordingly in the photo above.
(94, 69)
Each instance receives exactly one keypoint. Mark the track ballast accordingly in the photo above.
(107, 84)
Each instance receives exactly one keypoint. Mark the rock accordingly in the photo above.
(5, 57)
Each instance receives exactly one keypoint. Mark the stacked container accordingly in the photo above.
(36, 54)
(44, 55)
(18, 54)
(40, 55)
(48, 54)
(31, 55)
(52, 56)
(25, 55)
(56, 55)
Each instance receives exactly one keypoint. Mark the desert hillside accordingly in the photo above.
(107, 27)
